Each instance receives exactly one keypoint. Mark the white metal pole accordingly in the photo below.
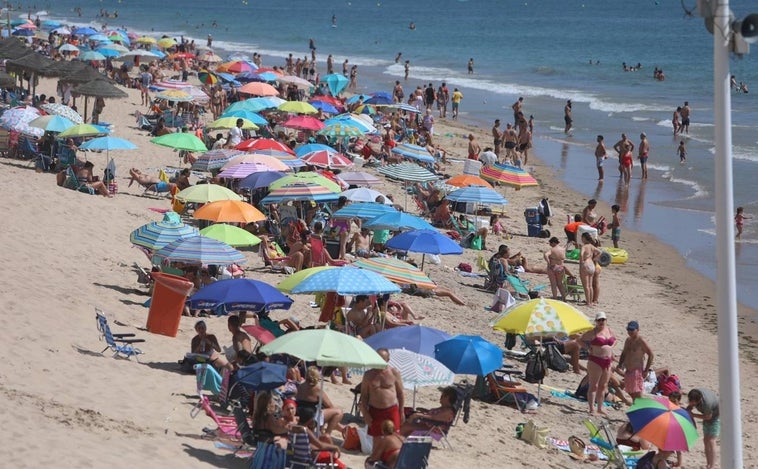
(726, 296)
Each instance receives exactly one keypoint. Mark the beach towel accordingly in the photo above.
(211, 379)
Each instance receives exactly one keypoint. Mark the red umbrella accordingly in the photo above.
(304, 123)
(327, 159)
(254, 144)
(328, 99)
(182, 55)
(260, 334)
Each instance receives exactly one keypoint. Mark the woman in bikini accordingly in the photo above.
(600, 341)
(587, 258)
(386, 447)
(555, 268)
(307, 402)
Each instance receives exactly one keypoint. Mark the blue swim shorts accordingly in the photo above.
(712, 427)
(161, 187)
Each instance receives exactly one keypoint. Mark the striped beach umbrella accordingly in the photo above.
(420, 370)
(204, 193)
(477, 194)
(200, 250)
(341, 130)
(243, 170)
(155, 235)
(414, 152)
(297, 192)
(327, 159)
(214, 159)
(396, 271)
(306, 177)
(510, 175)
(229, 211)
(359, 178)
(364, 211)
(346, 281)
(408, 172)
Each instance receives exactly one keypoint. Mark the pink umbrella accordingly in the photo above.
(260, 334)
(327, 159)
(243, 170)
(304, 123)
(359, 179)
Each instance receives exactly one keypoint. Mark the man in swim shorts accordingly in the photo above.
(644, 149)
(567, 117)
(633, 360)
(382, 396)
(685, 113)
(706, 402)
(510, 139)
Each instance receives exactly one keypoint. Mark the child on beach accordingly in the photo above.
(615, 226)
(496, 226)
(739, 220)
(682, 152)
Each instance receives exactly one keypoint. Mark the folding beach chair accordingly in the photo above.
(601, 436)
(414, 454)
(438, 431)
(119, 343)
(226, 426)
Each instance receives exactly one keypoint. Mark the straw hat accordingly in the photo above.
(577, 447)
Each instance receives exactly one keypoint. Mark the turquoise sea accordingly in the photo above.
(547, 51)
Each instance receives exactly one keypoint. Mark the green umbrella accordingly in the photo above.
(82, 130)
(231, 235)
(297, 107)
(180, 141)
(327, 348)
(203, 193)
(290, 282)
(230, 122)
(306, 177)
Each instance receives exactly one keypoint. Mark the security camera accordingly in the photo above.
(748, 28)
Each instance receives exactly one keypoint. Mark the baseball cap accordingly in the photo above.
(632, 326)
(600, 315)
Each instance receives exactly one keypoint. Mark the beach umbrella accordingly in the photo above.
(254, 145)
(16, 117)
(238, 294)
(64, 111)
(419, 370)
(356, 120)
(297, 107)
(84, 31)
(156, 234)
(306, 178)
(425, 242)
(408, 172)
(380, 97)
(273, 163)
(68, 48)
(415, 338)
(146, 40)
(397, 221)
(346, 281)
(229, 211)
(243, 170)
(303, 123)
(51, 24)
(256, 104)
(324, 107)
(336, 83)
(108, 51)
(414, 152)
(327, 159)
(362, 194)
(326, 347)
(259, 333)
(83, 130)
(181, 55)
(311, 147)
(200, 250)
(366, 109)
(175, 95)
(180, 141)
(662, 423)
(231, 122)
(258, 89)
(23, 32)
(214, 159)
(141, 53)
(465, 180)
(237, 66)
(253, 117)
(108, 143)
(210, 57)
(396, 271)
(291, 281)
(99, 37)
(358, 178)
(262, 376)
(166, 42)
(51, 123)
(204, 193)
(404, 107)
(477, 194)
(62, 30)
(301, 83)
(91, 55)
(341, 130)
(266, 76)
(260, 180)
(510, 175)
(299, 192)
(469, 355)
(364, 210)
(231, 235)
(542, 317)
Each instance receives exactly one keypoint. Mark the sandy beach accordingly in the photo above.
(68, 253)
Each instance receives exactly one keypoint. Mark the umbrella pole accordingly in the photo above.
(85, 108)
(319, 410)
(414, 398)
(423, 258)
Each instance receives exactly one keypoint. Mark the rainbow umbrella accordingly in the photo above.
(396, 271)
(663, 423)
(510, 175)
(209, 78)
(313, 192)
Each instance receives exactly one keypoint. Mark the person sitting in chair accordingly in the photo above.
(84, 175)
(440, 416)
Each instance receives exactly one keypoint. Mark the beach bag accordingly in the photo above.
(536, 367)
(555, 359)
(646, 461)
(510, 341)
(534, 435)
(352, 440)
(463, 267)
(582, 388)
(476, 243)
(669, 384)
(367, 441)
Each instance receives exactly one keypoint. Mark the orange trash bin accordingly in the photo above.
(167, 303)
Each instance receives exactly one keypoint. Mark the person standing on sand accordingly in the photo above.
(706, 402)
(510, 141)
(497, 137)
(443, 96)
(644, 150)
(624, 148)
(524, 144)
(685, 112)
(456, 99)
(382, 396)
(473, 148)
(615, 225)
(516, 111)
(567, 117)
(633, 360)
(601, 154)
(600, 342)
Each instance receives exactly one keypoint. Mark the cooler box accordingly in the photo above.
(167, 303)
(472, 167)
(532, 216)
(533, 231)
(585, 229)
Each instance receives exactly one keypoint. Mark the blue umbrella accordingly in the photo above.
(108, 143)
(379, 98)
(51, 24)
(324, 107)
(425, 241)
(311, 147)
(52, 123)
(398, 221)
(262, 376)
(99, 37)
(200, 250)
(477, 194)
(84, 31)
(108, 52)
(414, 152)
(248, 77)
(416, 338)
(469, 355)
(23, 32)
(260, 180)
(242, 294)
(253, 117)
(335, 82)
(364, 210)
(346, 281)
(268, 76)
(157, 234)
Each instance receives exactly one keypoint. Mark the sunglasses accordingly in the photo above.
(599, 320)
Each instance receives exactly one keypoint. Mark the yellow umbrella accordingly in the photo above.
(306, 177)
(175, 95)
(232, 211)
(229, 122)
(542, 317)
(297, 107)
(146, 40)
(167, 42)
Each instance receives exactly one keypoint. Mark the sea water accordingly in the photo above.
(547, 51)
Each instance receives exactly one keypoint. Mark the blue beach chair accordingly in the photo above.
(119, 343)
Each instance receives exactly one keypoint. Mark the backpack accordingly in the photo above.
(536, 367)
(646, 461)
(555, 359)
(669, 384)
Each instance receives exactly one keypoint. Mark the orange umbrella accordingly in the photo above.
(273, 163)
(230, 211)
(465, 180)
(258, 89)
